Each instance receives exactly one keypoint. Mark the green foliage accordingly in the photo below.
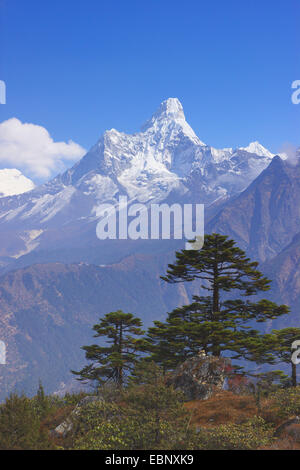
(148, 416)
(214, 323)
(264, 384)
(111, 362)
(159, 418)
(41, 403)
(250, 435)
(20, 426)
(97, 427)
(146, 372)
(286, 402)
(71, 399)
(221, 265)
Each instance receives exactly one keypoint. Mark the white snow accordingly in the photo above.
(13, 182)
(171, 113)
(258, 149)
(150, 164)
(29, 237)
(48, 205)
(221, 154)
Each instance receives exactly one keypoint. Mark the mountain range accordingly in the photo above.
(58, 277)
(166, 161)
(265, 217)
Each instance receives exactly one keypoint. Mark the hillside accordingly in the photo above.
(284, 271)
(265, 217)
(47, 312)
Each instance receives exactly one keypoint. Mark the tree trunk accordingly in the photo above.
(294, 375)
(121, 351)
(216, 305)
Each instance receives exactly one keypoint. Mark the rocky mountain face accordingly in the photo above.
(284, 270)
(265, 217)
(166, 161)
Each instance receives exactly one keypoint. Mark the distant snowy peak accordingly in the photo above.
(170, 119)
(166, 156)
(170, 108)
(13, 182)
(258, 149)
(148, 164)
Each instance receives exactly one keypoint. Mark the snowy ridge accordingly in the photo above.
(258, 149)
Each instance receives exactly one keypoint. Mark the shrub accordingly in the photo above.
(247, 436)
(98, 427)
(286, 402)
(104, 426)
(20, 427)
(148, 415)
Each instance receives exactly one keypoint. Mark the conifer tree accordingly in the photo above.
(118, 356)
(41, 402)
(215, 323)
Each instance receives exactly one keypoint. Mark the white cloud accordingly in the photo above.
(290, 152)
(13, 182)
(30, 148)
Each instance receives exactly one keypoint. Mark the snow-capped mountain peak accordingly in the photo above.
(171, 108)
(146, 165)
(166, 161)
(258, 149)
(170, 119)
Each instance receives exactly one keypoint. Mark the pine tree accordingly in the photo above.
(113, 361)
(41, 402)
(213, 322)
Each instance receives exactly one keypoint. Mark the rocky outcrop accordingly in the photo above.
(291, 427)
(66, 426)
(200, 376)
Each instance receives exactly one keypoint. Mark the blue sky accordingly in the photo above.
(80, 67)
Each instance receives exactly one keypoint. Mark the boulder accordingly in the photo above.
(290, 427)
(66, 426)
(294, 432)
(200, 376)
